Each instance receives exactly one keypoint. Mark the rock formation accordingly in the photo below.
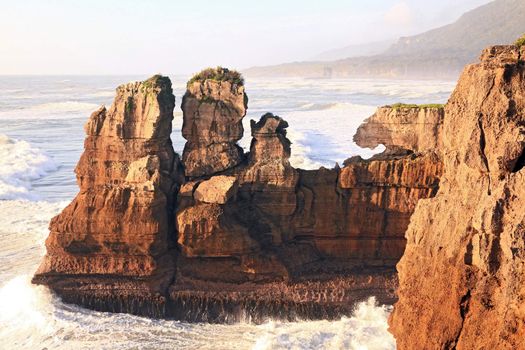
(114, 243)
(462, 277)
(269, 228)
(403, 126)
(213, 108)
(224, 235)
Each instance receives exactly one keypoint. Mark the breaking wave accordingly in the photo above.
(20, 165)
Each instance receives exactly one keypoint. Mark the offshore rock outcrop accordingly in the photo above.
(222, 234)
(213, 110)
(461, 277)
(275, 236)
(410, 127)
(112, 248)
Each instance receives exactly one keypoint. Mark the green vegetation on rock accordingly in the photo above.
(432, 105)
(397, 106)
(129, 106)
(156, 80)
(218, 74)
(521, 41)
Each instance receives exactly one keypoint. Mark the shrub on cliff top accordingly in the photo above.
(218, 74)
(432, 105)
(520, 42)
(396, 106)
(403, 105)
(156, 80)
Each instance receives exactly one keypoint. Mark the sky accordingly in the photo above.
(182, 37)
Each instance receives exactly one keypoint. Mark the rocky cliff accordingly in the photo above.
(220, 234)
(114, 243)
(462, 276)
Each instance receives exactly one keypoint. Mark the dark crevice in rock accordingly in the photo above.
(482, 145)
(520, 162)
(464, 306)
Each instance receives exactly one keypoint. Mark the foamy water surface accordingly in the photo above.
(41, 139)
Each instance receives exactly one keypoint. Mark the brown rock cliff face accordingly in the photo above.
(118, 230)
(279, 226)
(413, 128)
(213, 111)
(462, 276)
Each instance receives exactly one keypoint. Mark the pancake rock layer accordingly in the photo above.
(223, 235)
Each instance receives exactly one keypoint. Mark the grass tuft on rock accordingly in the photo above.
(218, 74)
(432, 105)
(521, 41)
(397, 106)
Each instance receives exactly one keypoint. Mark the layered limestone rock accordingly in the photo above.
(411, 127)
(230, 239)
(281, 227)
(462, 277)
(362, 211)
(254, 236)
(213, 108)
(114, 243)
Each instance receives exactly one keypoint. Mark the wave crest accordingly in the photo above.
(20, 164)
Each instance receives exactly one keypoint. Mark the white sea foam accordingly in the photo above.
(322, 134)
(32, 317)
(20, 163)
(366, 329)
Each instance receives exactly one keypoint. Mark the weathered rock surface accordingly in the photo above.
(462, 275)
(218, 189)
(287, 225)
(238, 235)
(408, 127)
(213, 111)
(115, 240)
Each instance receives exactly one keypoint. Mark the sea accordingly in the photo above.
(41, 139)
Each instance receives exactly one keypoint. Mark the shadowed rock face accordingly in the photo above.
(462, 276)
(225, 235)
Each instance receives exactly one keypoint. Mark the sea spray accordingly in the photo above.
(366, 328)
(21, 164)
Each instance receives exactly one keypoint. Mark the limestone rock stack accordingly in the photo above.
(224, 234)
(115, 240)
(462, 276)
(213, 108)
(262, 225)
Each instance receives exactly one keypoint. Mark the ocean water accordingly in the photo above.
(41, 139)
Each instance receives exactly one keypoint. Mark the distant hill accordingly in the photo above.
(438, 53)
(368, 49)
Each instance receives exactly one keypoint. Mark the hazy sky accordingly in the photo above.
(150, 36)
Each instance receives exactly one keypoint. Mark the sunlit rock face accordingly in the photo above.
(221, 234)
(213, 108)
(119, 227)
(411, 127)
(270, 225)
(462, 276)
